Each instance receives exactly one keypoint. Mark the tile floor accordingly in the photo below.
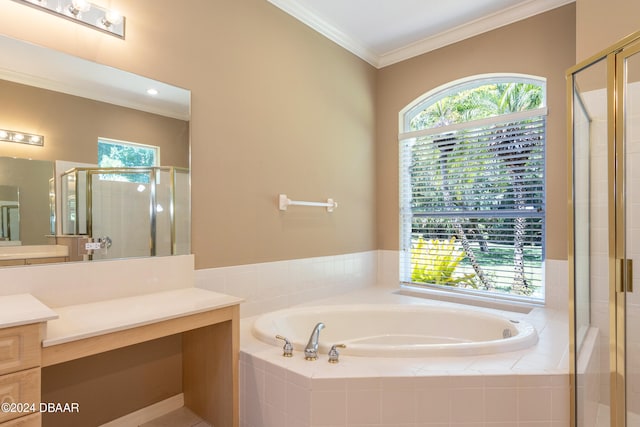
(182, 417)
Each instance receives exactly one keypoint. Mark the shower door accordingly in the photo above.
(604, 240)
(628, 232)
(589, 247)
(122, 203)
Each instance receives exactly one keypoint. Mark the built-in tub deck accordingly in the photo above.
(530, 385)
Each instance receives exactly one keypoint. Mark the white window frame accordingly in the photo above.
(407, 114)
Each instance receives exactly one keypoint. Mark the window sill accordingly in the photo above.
(499, 303)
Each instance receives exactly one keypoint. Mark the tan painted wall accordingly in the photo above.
(600, 24)
(277, 108)
(542, 45)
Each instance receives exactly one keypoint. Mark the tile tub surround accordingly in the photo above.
(523, 388)
(276, 285)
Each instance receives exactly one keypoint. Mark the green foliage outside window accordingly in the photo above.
(114, 154)
(489, 100)
(436, 261)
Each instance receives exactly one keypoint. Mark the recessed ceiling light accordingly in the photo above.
(152, 91)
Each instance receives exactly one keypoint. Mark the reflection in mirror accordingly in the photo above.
(113, 205)
(9, 215)
(76, 104)
(24, 197)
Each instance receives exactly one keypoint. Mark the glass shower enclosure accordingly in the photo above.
(604, 236)
(131, 212)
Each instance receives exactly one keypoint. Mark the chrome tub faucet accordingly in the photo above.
(311, 350)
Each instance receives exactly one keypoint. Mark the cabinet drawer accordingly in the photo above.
(12, 262)
(19, 348)
(22, 389)
(33, 420)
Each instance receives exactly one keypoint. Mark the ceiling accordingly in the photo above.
(383, 32)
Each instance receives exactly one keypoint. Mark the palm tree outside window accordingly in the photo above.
(472, 187)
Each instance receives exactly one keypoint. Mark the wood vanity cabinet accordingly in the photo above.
(20, 358)
(32, 261)
(32, 420)
(47, 260)
(207, 322)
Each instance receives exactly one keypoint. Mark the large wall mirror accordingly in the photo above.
(111, 179)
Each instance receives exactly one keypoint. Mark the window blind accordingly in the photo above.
(473, 208)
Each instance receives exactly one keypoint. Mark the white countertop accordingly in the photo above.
(23, 309)
(33, 251)
(81, 321)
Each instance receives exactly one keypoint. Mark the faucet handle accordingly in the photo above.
(334, 354)
(287, 349)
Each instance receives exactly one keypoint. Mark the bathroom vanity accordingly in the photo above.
(34, 337)
(33, 254)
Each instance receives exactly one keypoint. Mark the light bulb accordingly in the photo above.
(4, 134)
(113, 17)
(34, 139)
(18, 137)
(78, 6)
(81, 5)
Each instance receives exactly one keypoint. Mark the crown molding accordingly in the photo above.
(471, 29)
(454, 35)
(306, 16)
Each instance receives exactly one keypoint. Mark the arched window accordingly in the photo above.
(472, 186)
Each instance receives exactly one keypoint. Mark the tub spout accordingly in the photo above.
(311, 350)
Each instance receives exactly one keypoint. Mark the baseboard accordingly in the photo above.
(149, 413)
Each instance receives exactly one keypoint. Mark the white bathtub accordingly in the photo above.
(388, 330)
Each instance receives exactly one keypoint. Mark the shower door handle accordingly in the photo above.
(624, 275)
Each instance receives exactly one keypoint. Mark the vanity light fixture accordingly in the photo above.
(21, 137)
(83, 12)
